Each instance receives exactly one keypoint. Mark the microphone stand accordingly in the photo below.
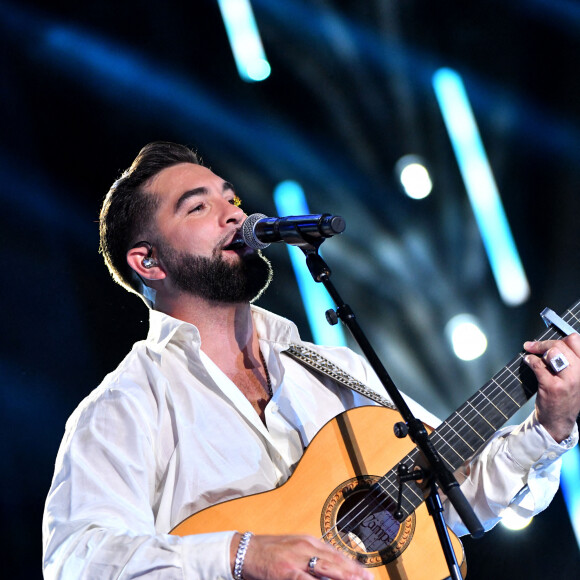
(439, 474)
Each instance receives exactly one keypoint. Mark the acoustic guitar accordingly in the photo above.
(340, 492)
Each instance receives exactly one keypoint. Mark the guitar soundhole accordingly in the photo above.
(359, 521)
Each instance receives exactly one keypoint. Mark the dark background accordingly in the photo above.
(85, 84)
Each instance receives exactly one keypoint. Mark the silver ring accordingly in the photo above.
(311, 564)
(559, 363)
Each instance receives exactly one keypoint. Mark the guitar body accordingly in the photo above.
(332, 484)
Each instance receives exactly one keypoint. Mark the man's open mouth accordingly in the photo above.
(236, 244)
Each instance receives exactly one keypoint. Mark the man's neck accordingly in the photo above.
(226, 330)
(229, 338)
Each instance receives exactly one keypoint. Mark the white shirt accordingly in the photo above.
(168, 434)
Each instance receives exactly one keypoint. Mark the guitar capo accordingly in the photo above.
(551, 318)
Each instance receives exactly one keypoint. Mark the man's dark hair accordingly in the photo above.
(127, 210)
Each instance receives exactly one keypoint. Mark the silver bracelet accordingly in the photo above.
(241, 554)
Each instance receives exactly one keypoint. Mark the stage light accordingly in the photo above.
(245, 41)
(466, 337)
(569, 481)
(513, 521)
(414, 176)
(481, 187)
(290, 200)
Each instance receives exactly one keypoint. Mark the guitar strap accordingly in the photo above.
(322, 365)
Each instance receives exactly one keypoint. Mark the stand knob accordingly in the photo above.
(401, 430)
(331, 317)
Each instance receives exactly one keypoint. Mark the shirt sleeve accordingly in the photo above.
(99, 519)
(518, 469)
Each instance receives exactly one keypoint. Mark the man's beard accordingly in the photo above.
(215, 279)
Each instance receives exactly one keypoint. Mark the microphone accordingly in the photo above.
(260, 231)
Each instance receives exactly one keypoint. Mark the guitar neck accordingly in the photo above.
(475, 422)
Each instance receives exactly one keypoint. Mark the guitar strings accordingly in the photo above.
(490, 393)
(357, 517)
(371, 504)
(439, 435)
(363, 510)
(497, 389)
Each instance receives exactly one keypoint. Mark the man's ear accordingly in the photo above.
(144, 264)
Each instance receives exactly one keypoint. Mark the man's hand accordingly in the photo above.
(558, 398)
(287, 557)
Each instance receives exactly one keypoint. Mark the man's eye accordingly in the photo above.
(196, 208)
(236, 201)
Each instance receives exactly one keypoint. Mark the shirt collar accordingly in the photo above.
(164, 328)
(274, 328)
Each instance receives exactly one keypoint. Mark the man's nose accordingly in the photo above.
(233, 213)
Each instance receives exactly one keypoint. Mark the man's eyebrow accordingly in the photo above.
(227, 186)
(190, 193)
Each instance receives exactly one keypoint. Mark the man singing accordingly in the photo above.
(210, 408)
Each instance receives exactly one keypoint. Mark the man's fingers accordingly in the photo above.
(539, 347)
(299, 557)
(325, 567)
(553, 355)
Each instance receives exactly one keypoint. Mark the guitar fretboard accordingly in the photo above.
(475, 422)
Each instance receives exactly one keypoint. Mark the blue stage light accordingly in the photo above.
(481, 187)
(245, 41)
(570, 484)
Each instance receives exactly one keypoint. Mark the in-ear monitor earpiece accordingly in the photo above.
(148, 261)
